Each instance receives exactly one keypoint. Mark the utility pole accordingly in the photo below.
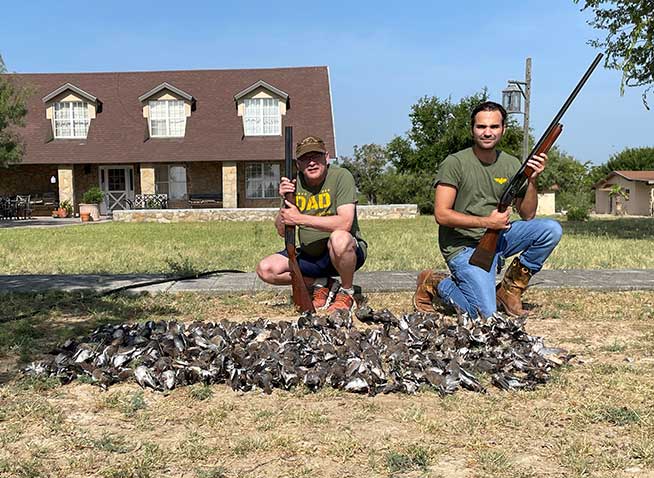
(512, 102)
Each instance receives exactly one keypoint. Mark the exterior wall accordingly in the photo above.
(243, 201)
(85, 176)
(601, 201)
(204, 178)
(28, 179)
(545, 204)
(640, 199)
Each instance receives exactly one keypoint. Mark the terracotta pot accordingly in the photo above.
(92, 209)
(85, 216)
(61, 212)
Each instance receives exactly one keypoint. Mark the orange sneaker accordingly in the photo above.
(320, 295)
(342, 301)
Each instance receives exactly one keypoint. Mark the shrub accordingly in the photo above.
(93, 196)
(578, 213)
(566, 200)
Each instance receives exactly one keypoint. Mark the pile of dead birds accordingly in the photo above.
(393, 354)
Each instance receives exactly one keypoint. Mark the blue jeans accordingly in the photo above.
(471, 289)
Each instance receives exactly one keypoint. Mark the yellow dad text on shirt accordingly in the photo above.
(313, 203)
(500, 180)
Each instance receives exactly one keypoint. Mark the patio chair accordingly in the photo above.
(149, 201)
(8, 208)
(23, 207)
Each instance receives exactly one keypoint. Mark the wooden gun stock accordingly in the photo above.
(485, 251)
(301, 297)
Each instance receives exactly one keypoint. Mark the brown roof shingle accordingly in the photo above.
(214, 132)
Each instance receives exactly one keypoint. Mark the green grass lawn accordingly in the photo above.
(409, 244)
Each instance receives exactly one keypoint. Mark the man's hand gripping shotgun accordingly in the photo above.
(485, 251)
(301, 296)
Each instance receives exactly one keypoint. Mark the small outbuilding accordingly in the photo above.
(638, 187)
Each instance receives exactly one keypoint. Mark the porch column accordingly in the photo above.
(230, 185)
(65, 180)
(147, 179)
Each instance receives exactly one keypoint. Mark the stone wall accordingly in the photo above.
(389, 211)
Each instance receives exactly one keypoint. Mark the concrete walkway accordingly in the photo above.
(248, 282)
(44, 221)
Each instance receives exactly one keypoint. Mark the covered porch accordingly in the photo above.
(183, 185)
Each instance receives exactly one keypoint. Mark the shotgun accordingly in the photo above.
(485, 251)
(301, 297)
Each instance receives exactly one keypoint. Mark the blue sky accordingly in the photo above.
(382, 56)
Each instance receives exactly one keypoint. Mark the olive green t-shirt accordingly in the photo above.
(337, 189)
(479, 187)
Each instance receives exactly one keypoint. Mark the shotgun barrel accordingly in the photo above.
(301, 297)
(485, 251)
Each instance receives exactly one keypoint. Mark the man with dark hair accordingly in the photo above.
(330, 240)
(468, 186)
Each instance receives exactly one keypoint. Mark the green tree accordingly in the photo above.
(367, 166)
(629, 40)
(630, 159)
(570, 176)
(12, 114)
(407, 188)
(440, 127)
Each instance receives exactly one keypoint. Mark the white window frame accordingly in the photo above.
(266, 180)
(167, 119)
(262, 117)
(174, 189)
(71, 119)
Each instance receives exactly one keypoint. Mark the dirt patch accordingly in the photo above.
(593, 419)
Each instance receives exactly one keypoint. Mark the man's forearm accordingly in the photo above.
(452, 218)
(529, 203)
(278, 225)
(326, 223)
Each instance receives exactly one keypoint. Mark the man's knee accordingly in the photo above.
(553, 230)
(341, 242)
(263, 269)
(266, 269)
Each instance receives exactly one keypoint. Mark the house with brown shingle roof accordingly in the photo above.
(639, 187)
(213, 135)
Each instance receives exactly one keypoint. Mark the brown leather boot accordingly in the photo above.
(509, 291)
(426, 292)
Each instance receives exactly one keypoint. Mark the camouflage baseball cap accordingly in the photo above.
(310, 144)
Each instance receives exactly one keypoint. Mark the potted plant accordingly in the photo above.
(65, 209)
(90, 204)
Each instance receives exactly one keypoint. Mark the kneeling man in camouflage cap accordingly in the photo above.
(326, 216)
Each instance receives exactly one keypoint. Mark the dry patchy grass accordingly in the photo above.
(595, 418)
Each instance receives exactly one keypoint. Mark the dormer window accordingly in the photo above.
(262, 106)
(71, 119)
(167, 118)
(166, 109)
(71, 110)
(261, 117)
